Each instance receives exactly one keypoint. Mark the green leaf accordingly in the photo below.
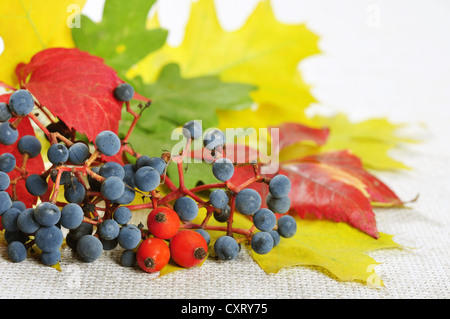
(121, 38)
(175, 101)
(180, 100)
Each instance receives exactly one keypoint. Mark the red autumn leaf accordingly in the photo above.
(321, 190)
(332, 185)
(328, 192)
(242, 174)
(34, 165)
(291, 133)
(344, 160)
(76, 87)
(4, 98)
(6, 86)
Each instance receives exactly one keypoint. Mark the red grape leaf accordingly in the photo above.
(33, 166)
(379, 192)
(6, 86)
(4, 98)
(321, 190)
(245, 172)
(332, 185)
(328, 192)
(76, 87)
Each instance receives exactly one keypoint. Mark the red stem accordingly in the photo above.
(39, 124)
(156, 199)
(56, 187)
(241, 231)
(230, 218)
(133, 124)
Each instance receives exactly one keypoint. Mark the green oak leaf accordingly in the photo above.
(175, 101)
(121, 38)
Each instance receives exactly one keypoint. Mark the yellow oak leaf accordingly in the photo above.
(29, 26)
(2, 237)
(263, 52)
(335, 248)
(371, 140)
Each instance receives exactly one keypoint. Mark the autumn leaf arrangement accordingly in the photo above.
(112, 95)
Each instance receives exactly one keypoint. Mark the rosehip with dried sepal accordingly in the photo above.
(163, 222)
(188, 248)
(153, 254)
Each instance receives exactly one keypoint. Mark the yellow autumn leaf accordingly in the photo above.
(336, 247)
(2, 237)
(34, 251)
(29, 26)
(263, 52)
(371, 140)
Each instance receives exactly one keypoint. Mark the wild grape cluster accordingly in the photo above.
(99, 198)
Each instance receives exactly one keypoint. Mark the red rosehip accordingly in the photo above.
(188, 248)
(163, 222)
(153, 254)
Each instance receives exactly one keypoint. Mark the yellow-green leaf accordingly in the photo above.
(29, 26)
(371, 140)
(336, 247)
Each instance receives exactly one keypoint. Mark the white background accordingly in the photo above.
(379, 58)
